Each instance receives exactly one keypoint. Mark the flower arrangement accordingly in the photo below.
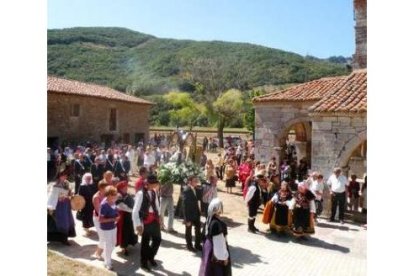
(179, 173)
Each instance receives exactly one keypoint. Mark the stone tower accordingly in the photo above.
(360, 16)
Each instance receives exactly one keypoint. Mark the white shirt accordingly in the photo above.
(275, 198)
(149, 159)
(137, 206)
(250, 193)
(220, 248)
(317, 187)
(337, 184)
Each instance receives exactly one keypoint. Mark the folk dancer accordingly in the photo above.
(253, 199)
(282, 217)
(60, 222)
(145, 216)
(303, 206)
(125, 228)
(215, 260)
(87, 189)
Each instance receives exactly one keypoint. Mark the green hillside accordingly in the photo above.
(145, 65)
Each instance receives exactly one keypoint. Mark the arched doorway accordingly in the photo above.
(295, 147)
(353, 158)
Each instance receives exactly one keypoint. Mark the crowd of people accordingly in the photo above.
(291, 198)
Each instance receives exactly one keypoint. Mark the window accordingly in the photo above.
(75, 110)
(112, 119)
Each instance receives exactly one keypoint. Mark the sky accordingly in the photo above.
(320, 28)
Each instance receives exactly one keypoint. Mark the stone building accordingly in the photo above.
(328, 116)
(79, 112)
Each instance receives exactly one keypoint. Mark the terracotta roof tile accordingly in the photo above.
(65, 86)
(309, 91)
(350, 96)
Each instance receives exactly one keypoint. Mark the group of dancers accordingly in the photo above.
(119, 218)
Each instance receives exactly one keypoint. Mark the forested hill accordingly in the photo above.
(143, 64)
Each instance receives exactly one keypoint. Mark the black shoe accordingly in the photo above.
(192, 249)
(66, 243)
(153, 263)
(145, 266)
(252, 230)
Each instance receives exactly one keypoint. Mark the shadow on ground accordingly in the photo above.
(339, 227)
(240, 256)
(315, 242)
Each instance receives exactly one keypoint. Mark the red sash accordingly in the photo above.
(151, 218)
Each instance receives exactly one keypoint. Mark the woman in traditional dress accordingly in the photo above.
(215, 259)
(244, 171)
(229, 174)
(303, 205)
(209, 169)
(125, 228)
(281, 220)
(60, 222)
(97, 198)
(274, 185)
(87, 189)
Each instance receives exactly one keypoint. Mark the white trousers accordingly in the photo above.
(109, 240)
(99, 231)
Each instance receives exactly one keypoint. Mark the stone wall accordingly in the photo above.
(272, 122)
(93, 120)
(334, 139)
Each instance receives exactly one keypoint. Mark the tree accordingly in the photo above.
(227, 106)
(210, 78)
(249, 116)
(185, 110)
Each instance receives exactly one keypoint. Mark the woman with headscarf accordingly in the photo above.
(215, 259)
(281, 220)
(87, 189)
(304, 209)
(125, 228)
(60, 222)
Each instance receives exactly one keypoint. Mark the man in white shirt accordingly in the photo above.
(149, 158)
(317, 188)
(337, 185)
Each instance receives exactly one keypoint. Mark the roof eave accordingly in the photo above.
(100, 97)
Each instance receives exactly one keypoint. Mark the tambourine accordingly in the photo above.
(77, 202)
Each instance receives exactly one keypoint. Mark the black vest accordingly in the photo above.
(146, 203)
(256, 196)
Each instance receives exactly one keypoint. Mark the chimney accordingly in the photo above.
(360, 16)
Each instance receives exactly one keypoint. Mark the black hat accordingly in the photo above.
(152, 179)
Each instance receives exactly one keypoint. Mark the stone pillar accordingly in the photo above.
(360, 16)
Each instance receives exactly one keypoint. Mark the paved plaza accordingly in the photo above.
(335, 249)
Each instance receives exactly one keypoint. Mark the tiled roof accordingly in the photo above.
(72, 87)
(309, 91)
(349, 97)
